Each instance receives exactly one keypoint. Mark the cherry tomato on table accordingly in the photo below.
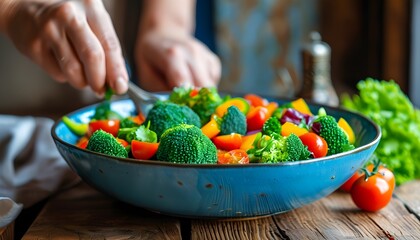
(315, 143)
(374, 192)
(349, 183)
(386, 173)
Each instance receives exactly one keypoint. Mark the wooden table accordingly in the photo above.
(84, 213)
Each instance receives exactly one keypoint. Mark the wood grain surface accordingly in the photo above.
(84, 213)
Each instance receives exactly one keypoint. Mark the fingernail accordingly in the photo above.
(121, 85)
(186, 84)
(100, 95)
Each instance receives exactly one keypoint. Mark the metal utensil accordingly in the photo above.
(142, 99)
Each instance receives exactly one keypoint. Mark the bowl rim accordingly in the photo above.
(208, 165)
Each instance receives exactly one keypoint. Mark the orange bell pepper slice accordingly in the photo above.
(211, 129)
(248, 141)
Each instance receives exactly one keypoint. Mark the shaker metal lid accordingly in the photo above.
(316, 46)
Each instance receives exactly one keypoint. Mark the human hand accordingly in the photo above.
(73, 41)
(170, 58)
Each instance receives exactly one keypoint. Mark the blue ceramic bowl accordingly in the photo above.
(216, 191)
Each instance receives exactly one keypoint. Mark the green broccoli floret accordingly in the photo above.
(203, 103)
(327, 127)
(106, 143)
(296, 149)
(166, 114)
(186, 143)
(128, 122)
(234, 121)
(277, 149)
(272, 125)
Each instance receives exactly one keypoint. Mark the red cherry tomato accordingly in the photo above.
(110, 126)
(122, 142)
(256, 118)
(194, 92)
(228, 142)
(387, 175)
(349, 183)
(256, 100)
(143, 150)
(315, 143)
(385, 172)
(237, 156)
(373, 193)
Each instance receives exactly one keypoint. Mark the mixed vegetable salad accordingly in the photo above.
(199, 126)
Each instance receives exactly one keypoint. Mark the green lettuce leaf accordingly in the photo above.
(386, 104)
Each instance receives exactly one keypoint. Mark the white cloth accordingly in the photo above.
(9, 210)
(31, 168)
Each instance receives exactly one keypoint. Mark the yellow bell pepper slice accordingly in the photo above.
(301, 105)
(347, 129)
(288, 128)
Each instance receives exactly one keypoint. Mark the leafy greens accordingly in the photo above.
(386, 104)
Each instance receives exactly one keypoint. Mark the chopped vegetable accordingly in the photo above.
(256, 118)
(327, 127)
(106, 143)
(288, 128)
(228, 142)
(294, 116)
(315, 143)
(256, 100)
(103, 111)
(272, 125)
(277, 149)
(301, 106)
(141, 133)
(347, 129)
(238, 102)
(212, 128)
(109, 126)
(77, 128)
(234, 121)
(248, 141)
(143, 150)
(236, 156)
(165, 115)
(203, 102)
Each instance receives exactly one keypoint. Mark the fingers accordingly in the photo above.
(152, 79)
(101, 24)
(84, 46)
(180, 61)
